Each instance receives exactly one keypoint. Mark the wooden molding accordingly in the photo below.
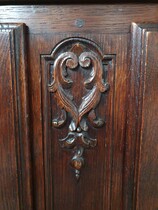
(14, 114)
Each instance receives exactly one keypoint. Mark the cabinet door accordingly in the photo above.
(14, 133)
(92, 84)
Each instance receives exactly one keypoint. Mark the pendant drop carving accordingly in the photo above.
(77, 100)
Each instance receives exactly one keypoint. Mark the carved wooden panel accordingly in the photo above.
(15, 189)
(84, 57)
(89, 75)
(117, 164)
(143, 111)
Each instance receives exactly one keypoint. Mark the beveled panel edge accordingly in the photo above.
(18, 54)
(137, 59)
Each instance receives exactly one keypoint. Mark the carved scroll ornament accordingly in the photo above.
(77, 55)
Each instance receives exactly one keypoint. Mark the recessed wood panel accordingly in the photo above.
(119, 172)
(144, 88)
(103, 170)
(14, 141)
(148, 170)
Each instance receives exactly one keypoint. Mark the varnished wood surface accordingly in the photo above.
(15, 178)
(142, 134)
(57, 19)
(121, 170)
(61, 2)
(8, 178)
(147, 174)
(146, 156)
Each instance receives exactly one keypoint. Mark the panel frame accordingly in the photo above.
(135, 104)
(18, 53)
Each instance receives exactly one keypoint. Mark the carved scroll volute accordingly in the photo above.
(73, 55)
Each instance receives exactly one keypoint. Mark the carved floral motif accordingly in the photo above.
(86, 55)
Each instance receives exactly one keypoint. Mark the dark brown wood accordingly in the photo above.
(60, 2)
(99, 158)
(120, 172)
(63, 19)
(147, 185)
(144, 100)
(85, 58)
(15, 178)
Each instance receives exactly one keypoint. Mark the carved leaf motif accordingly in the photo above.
(85, 59)
(65, 102)
(89, 60)
(60, 121)
(94, 120)
(69, 141)
(64, 60)
(89, 102)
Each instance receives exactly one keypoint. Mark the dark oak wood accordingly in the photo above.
(84, 57)
(80, 142)
(61, 2)
(120, 171)
(144, 101)
(15, 179)
(147, 185)
(63, 19)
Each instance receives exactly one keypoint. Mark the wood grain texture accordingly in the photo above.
(77, 95)
(120, 173)
(142, 139)
(15, 181)
(105, 165)
(145, 68)
(57, 19)
(17, 2)
(55, 165)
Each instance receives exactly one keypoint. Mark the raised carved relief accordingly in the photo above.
(77, 56)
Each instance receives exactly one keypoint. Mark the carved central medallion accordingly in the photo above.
(82, 58)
